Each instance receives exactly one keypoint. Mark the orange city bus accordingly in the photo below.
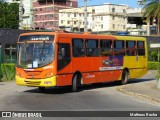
(48, 59)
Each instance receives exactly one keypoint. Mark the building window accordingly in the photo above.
(124, 27)
(61, 21)
(113, 10)
(93, 11)
(49, 16)
(10, 54)
(124, 11)
(75, 14)
(113, 17)
(49, 9)
(35, 24)
(71, 4)
(113, 26)
(69, 14)
(101, 26)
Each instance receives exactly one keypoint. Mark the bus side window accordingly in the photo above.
(140, 48)
(119, 47)
(92, 49)
(106, 47)
(78, 47)
(131, 48)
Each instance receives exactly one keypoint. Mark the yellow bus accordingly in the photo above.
(48, 59)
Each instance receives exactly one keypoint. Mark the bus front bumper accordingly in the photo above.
(48, 82)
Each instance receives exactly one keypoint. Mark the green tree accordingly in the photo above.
(151, 10)
(9, 15)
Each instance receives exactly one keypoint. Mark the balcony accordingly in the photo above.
(52, 1)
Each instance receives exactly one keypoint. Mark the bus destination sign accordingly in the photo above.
(36, 38)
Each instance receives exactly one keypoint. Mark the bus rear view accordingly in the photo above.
(35, 60)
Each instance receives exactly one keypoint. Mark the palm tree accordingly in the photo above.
(151, 9)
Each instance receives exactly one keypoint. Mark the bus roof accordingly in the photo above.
(86, 35)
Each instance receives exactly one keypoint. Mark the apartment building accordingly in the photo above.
(46, 12)
(73, 19)
(101, 18)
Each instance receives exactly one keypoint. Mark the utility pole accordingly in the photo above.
(85, 16)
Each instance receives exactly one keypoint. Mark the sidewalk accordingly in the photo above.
(144, 90)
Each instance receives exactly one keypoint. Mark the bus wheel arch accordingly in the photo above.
(77, 80)
(125, 76)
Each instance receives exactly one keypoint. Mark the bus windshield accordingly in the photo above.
(35, 55)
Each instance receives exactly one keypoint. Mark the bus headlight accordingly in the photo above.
(50, 74)
(18, 74)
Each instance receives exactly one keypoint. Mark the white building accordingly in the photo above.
(26, 14)
(102, 18)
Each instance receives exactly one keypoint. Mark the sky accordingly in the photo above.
(130, 3)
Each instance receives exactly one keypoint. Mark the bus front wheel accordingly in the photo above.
(41, 89)
(76, 82)
(124, 77)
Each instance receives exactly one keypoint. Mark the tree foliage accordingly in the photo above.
(151, 9)
(9, 15)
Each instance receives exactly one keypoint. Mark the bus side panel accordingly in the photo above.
(130, 63)
(141, 66)
(64, 80)
(84, 65)
(117, 74)
(106, 76)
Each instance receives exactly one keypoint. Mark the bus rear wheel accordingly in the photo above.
(76, 82)
(124, 77)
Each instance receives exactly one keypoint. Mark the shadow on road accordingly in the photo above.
(66, 90)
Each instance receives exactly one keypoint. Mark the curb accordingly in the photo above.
(143, 97)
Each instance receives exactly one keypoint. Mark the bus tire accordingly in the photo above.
(41, 89)
(124, 77)
(76, 82)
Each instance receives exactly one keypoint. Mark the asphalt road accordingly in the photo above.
(98, 97)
